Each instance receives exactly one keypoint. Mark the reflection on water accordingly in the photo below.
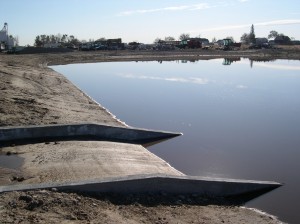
(229, 61)
(238, 121)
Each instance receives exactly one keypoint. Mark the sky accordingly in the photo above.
(145, 20)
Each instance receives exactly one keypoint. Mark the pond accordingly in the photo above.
(240, 118)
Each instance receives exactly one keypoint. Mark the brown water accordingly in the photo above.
(239, 121)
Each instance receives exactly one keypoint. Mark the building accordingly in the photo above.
(284, 40)
(261, 41)
(5, 39)
(296, 42)
(204, 41)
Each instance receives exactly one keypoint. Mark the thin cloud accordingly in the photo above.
(194, 80)
(241, 87)
(232, 27)
(279, 22)
(200, 6)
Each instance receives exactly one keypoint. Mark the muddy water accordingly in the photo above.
(11, 161)
(240, 119)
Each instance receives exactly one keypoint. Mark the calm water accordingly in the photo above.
(11, 161)
(239, 121)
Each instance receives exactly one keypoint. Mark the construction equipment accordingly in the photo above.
(228, 44)
(190, 43)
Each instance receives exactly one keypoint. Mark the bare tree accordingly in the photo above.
(157, 40)
(231, 38)
(248, 38)
(16, 39)
(169, 38)
(245, 38)
(274, 34)
(184, 36)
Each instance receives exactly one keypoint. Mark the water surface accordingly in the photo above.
(11, 161)
(240, 119)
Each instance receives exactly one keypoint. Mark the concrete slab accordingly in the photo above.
(71, 161)
(157, 183)
(87, 131)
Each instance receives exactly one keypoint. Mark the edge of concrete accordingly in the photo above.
(85, 131)
(155, 183)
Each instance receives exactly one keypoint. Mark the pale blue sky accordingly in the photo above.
(145, 20)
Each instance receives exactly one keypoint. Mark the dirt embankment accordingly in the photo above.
(33, 94)
(62, 207)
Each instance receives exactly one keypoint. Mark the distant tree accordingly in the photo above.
(157, 40)
(231, 38)
(52, 39)
(214, 40)
(245, 38)
(169, 38)
(38, 42)
(248, 38)
(16, 39)
(273, 34)
(184, 36)
(43, 39)
(66, 40)
(252, 35)
(73, 40)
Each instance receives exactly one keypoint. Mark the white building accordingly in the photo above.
(5, 39)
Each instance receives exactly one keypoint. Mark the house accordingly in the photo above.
(111, 44)
(261, 41)
(204, 41)
(283, 40)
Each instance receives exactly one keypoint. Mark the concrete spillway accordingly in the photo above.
(90, 131)
(212, 187)
(135, 171)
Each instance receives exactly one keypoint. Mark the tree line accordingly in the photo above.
(68, 40)
(63, 40)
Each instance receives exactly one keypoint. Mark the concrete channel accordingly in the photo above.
(209, 187)
(139, 183)
(88, 131)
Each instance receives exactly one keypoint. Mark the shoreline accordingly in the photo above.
(34, 94)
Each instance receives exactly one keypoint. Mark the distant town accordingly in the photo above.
(65, 42)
